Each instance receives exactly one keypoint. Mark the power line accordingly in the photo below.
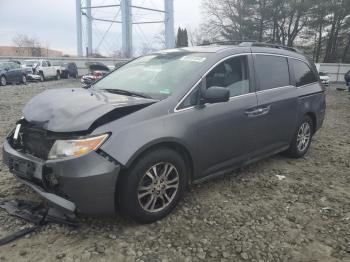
(107, 30)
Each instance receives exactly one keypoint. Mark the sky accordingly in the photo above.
(53, 23)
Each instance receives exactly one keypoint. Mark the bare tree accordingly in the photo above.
(322, 26)
(27, 45)
(160, 39)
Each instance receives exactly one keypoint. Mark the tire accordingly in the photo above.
(302, 139)
(3, 81)
(58, 76)
(137, 203)
(24, 80)
(42, 77)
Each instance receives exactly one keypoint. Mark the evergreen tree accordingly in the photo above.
(182, 38)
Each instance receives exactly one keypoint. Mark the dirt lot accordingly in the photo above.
(279, 209)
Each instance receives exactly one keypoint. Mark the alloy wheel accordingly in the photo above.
(158, 187)
(304, 136)
(24, 79)
(3, 81)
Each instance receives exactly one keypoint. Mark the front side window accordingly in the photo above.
(44, 64)
(302, 73)
(192, 99)
(272, 71)
(232, 74)
(15, 66)
(156, 75)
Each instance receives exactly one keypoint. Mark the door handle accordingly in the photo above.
(260, 111)
(264, 110)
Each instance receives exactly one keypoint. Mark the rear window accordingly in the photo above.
(272, 71)
(302, 73)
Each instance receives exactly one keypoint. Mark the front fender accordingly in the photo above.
(126, 144)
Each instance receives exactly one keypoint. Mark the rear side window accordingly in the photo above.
(302, 73)
(272, 71)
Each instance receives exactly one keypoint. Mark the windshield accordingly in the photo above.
(156, 76)
(30, 63)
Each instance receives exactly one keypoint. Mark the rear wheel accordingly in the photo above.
(42, 77)
(153, 186)
(302, 138)
(58, 76)
(3, 81)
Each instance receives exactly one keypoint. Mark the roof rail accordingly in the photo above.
(251, 43)
(264, 44)
(226, 42)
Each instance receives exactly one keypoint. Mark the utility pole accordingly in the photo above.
(169, 23)
(89, 26)
(126, 28)
(79, 33)
(127, 22)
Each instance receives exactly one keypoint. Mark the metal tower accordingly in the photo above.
(127, 22)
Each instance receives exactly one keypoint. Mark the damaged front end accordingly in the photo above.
(55, 151)
(78, 183)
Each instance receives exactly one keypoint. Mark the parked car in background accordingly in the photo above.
(67, 69)
(43, 68)
(11, 72)
(325, 80)
(96, 71)
(135, 139)
(58, 66)
(70, 70)
(347, 79)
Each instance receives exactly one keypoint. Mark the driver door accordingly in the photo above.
(225, 133)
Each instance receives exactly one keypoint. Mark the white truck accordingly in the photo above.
(43, 68)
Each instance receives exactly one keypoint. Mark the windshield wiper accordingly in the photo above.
(128, 93)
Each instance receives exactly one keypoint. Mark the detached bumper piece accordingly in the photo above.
(35, 213)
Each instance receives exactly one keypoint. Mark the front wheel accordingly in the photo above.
(58, 76)
(302, 138)
(3, 81)
(153, 186)
(24, 79)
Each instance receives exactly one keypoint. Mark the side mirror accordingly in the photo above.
(215, 94)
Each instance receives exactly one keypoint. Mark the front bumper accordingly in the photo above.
(33, 77)
(85, 184)
(325, 82)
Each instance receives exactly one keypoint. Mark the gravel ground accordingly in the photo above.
(278, 209)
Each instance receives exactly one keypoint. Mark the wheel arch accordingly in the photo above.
(172, 144)
(313, 117)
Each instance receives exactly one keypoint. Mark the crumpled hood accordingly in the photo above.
(77, 109)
